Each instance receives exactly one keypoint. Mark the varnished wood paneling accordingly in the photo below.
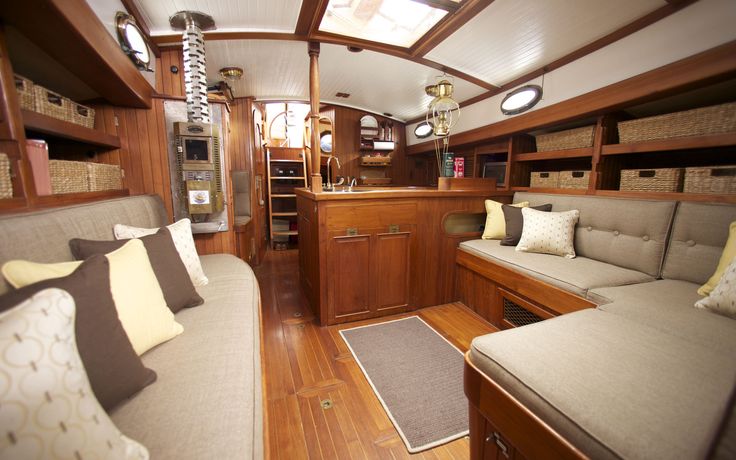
(305, 364)
(348, 290)
(393, 267)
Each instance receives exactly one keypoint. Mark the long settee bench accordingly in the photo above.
(207, 399)
(632, 370)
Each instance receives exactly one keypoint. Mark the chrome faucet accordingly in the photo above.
(352, 184)
(328, 186)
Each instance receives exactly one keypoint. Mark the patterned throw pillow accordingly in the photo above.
(549, 232)
(48, 409)
(181, 233)
(722, 300)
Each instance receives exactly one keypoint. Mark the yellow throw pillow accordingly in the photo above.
(495, 223)
(138, 298)
(727, 256)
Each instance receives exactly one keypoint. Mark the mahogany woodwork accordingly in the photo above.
(45, 124)
(326, 267)
(487, 276)
(493, 409)
(305, 364)
(710, 66)
(466, 183)
(71, 33)
(313, 48)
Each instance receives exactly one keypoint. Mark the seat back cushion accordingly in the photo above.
(43, 236)
(627, 233)
(241, 193)
(699, 233)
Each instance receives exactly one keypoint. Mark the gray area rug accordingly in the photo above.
(418, 377)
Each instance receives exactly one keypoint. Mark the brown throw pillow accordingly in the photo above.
(515, 222)
(172, 275)
(115, 371)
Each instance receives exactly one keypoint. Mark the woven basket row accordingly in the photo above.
(652, 180)
(80, 176)
(568, 139)
(715, 119)
(560, 179)
(6, 184)
(39, 99)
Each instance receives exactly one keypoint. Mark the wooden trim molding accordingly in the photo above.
(71, 33)
(711, 66)
(447, 25)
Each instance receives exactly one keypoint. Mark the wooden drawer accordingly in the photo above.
(369, 216)
(497, 447)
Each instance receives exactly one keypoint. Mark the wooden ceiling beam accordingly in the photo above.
(614, 36)
(709, 67)
(308, 15)
(133, 10)
(447, 26)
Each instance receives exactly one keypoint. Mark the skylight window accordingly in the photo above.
(394, 22)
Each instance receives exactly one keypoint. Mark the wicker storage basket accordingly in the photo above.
(574, 179)
(82, 115)
(68, 176)
(568, 139)
(547, 179)
(6, 184)
(24, 88)
(51, 104)
(713, 179)
(652, 180)
(102, 176)
(697, 122)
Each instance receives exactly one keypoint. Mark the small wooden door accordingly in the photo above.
(391, 260)
(348, 291)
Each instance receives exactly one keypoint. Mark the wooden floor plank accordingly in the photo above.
(306, 364)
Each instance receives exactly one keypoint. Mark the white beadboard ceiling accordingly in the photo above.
(229, 15)
(506, 40)
(510, 38)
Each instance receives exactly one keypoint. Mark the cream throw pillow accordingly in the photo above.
(495, 222)
(727, 256)
(138, 298)
(48, 408)
(549, 232)
(722, 300)
(181, 233)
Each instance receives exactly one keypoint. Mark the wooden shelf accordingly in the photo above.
(283, 214)
(290, 233)
(65, 130)
(289, 178)
(679, 143)
(286, 161)
(284, 195)
(567, 191)
(65, 199)
(555, 154)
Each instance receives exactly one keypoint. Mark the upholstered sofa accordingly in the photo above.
(207, 399)
(643, 374)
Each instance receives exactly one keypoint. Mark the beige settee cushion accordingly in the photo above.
(614, 387)
(577, 275)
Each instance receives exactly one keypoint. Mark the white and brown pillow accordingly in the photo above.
(181, 233)
(722, 300)
(549, 232)
(48, 409)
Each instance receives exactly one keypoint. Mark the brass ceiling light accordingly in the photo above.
(443, 113)
(231, 73)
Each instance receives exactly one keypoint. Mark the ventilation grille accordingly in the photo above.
(517, 315)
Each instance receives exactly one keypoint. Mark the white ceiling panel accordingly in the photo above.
(272, 69)
(381, 83)
(512, 37)
(229, 15)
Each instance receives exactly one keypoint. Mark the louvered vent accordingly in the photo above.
(517, 315)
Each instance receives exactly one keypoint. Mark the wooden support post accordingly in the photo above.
(314, 114)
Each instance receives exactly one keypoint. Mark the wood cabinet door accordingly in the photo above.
(348, 290)
(391, 259)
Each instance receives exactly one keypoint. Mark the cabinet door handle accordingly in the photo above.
(496, 438)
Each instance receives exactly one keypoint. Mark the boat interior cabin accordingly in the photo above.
(367, 229)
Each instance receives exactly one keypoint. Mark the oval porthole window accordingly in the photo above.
(521, 99)
(132, 41)
(423, 129)
(325, 142)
